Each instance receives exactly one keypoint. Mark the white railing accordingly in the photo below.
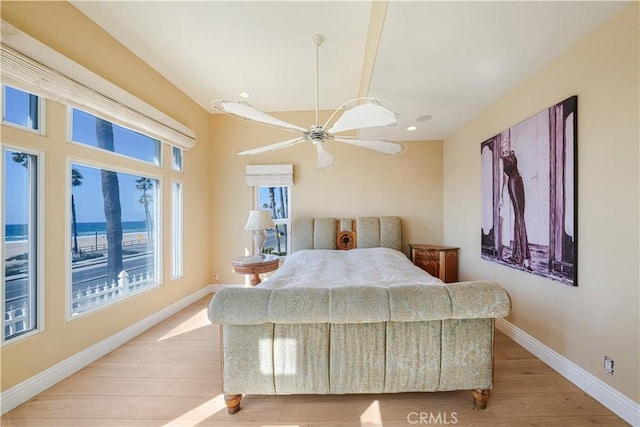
(16, 318)
(99, 294)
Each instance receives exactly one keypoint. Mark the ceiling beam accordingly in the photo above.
(376, 25)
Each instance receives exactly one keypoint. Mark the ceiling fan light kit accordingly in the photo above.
(358, 113)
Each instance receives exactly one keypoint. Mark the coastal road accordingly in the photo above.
(83, 276)
(94, 274)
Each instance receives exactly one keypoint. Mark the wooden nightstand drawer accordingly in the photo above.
(426, 254)
(428, 264)
(439, 261)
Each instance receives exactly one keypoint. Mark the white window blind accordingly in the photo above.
(269, 175)
(30, 75)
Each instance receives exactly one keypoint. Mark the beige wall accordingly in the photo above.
(600, 316)
(585, 323)
(362, 183)
(63, 28)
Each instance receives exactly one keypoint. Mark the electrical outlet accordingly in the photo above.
(215, 276)
(608, 365)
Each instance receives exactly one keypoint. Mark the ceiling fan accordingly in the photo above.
(358, 113)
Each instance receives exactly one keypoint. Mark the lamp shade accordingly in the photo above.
(259, 220)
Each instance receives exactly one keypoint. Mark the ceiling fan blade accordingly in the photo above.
(245, 111)
(271, 147)
(369, 114)
(325, 158)
(381, 145)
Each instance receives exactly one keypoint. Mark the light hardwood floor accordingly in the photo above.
(170, 376)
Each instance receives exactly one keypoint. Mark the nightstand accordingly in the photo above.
(255, 265)
(438, 261)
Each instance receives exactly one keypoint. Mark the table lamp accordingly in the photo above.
(258, 222)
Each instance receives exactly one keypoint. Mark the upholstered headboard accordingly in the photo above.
(346, 233)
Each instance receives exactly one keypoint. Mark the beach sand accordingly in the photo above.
(86, 243)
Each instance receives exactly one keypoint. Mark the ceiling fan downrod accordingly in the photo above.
(318, 39)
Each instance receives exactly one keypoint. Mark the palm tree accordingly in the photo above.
(283, 205)
(272, 203)
(21, 159)
(146, 184)
(112, 208)
(76, 181)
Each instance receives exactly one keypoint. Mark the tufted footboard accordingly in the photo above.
(358, 340)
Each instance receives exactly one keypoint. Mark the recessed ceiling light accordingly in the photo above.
(424, 118)
(244, 95)
(412, 128)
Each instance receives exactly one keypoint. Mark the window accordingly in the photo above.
(276, 200)
(176, 158)
(114, 235)
(21, 109)
(272, 184)
(109, 255)
(176, 230)
(21, 242)
(86, 129)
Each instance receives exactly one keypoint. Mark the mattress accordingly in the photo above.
(371, 267)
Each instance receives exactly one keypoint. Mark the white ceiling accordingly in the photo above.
(449, 60)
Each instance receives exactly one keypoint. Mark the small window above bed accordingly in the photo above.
(272, 184)
(276, 200)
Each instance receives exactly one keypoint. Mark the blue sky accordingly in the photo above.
(15, 208)
(264, 199)
(89, 201)
(88, 196)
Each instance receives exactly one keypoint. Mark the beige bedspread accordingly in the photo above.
(356, 286)
(380, 267)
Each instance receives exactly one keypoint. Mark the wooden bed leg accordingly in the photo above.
(233, 403)
(480, 398)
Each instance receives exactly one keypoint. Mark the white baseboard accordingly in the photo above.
(24, 391)
(617, 402)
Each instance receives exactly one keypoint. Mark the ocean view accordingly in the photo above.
(18, 232)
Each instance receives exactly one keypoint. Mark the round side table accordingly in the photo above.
(255, 265)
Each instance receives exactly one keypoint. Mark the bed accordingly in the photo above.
(347, 312)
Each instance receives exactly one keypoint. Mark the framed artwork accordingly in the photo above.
(529, 206)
